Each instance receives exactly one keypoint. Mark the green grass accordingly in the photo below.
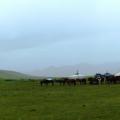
(25, 100)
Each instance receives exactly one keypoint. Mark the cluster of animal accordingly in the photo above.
(97, 79)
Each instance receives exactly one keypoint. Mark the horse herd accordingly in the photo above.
(98, 79)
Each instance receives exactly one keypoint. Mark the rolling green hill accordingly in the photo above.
(5, 74)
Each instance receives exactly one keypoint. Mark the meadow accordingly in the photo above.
(27, 100)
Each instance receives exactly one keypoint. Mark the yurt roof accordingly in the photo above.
(117, 74)
(77, 76)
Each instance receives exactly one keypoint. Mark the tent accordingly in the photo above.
(77, 76)
(49, 79)
(117, 74)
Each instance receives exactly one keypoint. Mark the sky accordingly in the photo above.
(35, 34)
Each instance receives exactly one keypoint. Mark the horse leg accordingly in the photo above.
(74, 83)
(52, 83)
(41, 83)
(46, 83)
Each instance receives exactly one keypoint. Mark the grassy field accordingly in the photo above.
(25, 100)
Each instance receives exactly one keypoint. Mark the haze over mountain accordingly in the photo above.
(86, 69)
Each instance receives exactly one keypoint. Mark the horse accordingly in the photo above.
(82, 81)
(99, 78)
(70, 81)
(60, 81)
(117, 79)
(46, 82)
(92, 81)
(112, 80)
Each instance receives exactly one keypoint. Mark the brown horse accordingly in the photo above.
(82, 81)
(69, 81)
(46, 82)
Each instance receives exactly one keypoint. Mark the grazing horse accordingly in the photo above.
(112, 80)
(99, 78)
(46, 82)
(82, 81)
(117, 79)
(92, 81)
(60, 81)
(109, 78)
(69, 81)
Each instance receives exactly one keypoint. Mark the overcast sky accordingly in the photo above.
(35, 34)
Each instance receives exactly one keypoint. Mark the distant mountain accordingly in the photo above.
(86, 69)
(5, 74)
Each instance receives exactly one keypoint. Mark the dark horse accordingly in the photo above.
(69, 81)
(82, 81)
(60, 81)
(66, 81)
(46, 82)
(110, 79)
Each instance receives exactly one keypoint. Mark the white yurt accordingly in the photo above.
(117, 74)
(77, 76)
